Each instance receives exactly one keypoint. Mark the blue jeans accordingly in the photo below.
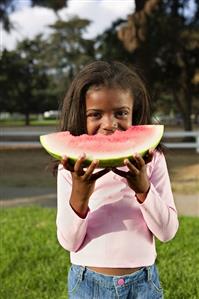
(86, 284)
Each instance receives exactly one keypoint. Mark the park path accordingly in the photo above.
(187, 205)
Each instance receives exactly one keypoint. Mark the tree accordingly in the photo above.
(56, 5)
(8, 6)
(109, 47)
(22, 81)
(177, 58)
(168, 49)
(38, 72)
(134, 33)
(66, 50)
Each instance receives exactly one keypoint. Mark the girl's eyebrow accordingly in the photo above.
(118, 108)
(123, 107)
(93, 109)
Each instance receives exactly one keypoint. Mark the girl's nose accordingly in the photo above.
(110, 123)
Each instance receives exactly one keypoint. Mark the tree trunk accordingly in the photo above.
(184, 103)
(27, 118)
(134, 33)
(187, 123)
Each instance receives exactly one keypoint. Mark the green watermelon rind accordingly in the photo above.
(103, 163)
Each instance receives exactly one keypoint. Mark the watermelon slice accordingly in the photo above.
(110, 150)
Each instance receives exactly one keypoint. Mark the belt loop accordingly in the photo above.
(82, 272)
(148, 273)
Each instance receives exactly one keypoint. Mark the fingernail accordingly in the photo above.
(95, 161)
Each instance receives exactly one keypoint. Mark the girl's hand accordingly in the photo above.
(136, 176)
(83, 183)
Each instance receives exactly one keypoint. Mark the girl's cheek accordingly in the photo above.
(92, 128)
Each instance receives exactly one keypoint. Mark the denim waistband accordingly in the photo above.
(107, 281)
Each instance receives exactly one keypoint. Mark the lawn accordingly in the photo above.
(34, 266)
(33, 122)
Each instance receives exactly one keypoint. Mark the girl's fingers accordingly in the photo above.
(99, 174)
(122, 173)
(65, 163)
(148, 156)
(78, 165)
(91, 168)
(133, 169)
(139, 161)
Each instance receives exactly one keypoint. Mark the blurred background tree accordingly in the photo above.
(108, 46)
(24, 81)
(164, 41)
(8, 6)
(66, 51)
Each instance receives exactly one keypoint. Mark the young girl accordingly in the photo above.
(109, 218)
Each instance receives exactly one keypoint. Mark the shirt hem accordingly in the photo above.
(105, 265)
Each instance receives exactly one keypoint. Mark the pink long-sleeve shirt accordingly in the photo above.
(118, 231)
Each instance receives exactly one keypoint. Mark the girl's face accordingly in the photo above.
(107, 110)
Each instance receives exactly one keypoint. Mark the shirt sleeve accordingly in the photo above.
(71, 229)
(159, 209)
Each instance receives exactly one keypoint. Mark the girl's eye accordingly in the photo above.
(121, 113)
(94, 115)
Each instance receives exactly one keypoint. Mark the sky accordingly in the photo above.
(30, 21)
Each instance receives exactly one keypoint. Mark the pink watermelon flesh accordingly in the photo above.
(110, 150)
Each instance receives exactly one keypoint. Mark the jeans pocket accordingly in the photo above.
(157, 286)
(155, 282)
(74, 279)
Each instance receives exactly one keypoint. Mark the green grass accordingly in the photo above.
(32, 263)
(33, 122)
(34, 266)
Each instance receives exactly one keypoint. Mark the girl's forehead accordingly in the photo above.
(102, 89)
(108, 96)
(108, 86)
